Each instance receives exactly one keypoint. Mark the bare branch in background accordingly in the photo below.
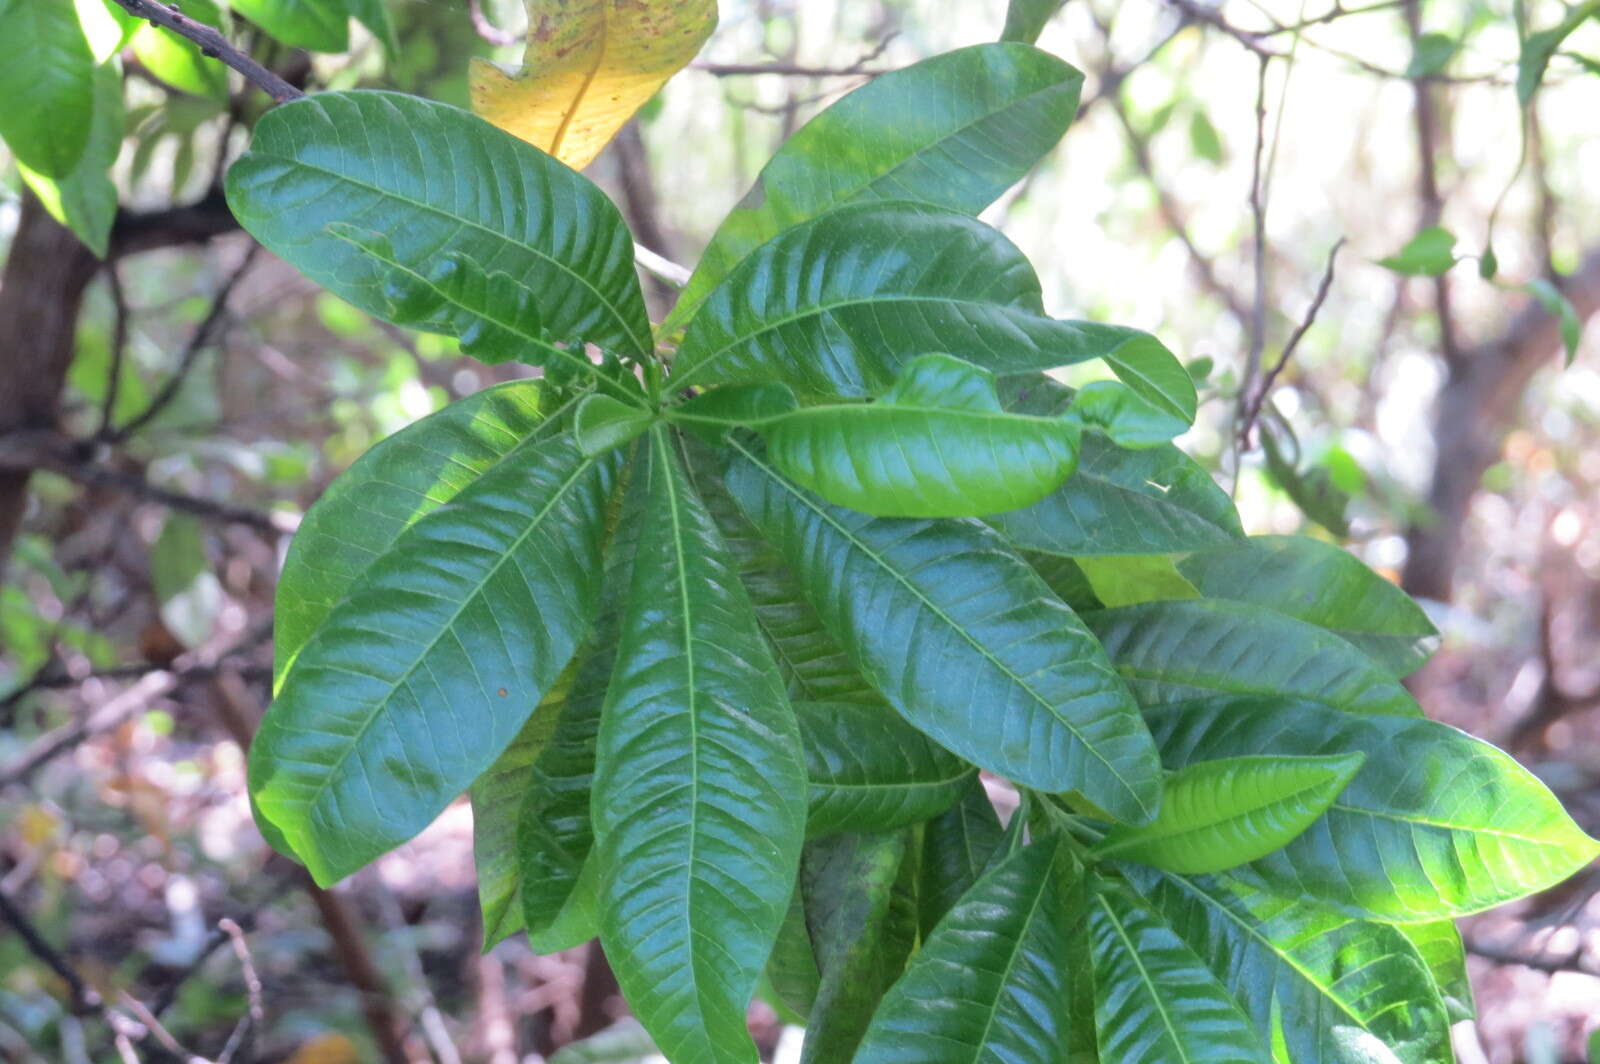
(860, 68)
(213, 45)
(1253, 410)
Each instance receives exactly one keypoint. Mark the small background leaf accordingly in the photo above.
(1428, 254)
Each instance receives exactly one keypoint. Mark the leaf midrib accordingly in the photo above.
(1182, 831)
(944, 617)
(1011, 961)
(1144, 974)
(468, 223)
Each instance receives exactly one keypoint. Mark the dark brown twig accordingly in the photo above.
(1253, 411)
(213, 45)
(119, 346)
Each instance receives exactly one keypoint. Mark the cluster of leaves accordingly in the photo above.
(719, 621)
(64, 119)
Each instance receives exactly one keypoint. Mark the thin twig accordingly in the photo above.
(1571, 962)
(256, 1017)
(119, 347)
(487, 30)
(212, 45)
(1253, 412)
(191, 352)
(660, 266)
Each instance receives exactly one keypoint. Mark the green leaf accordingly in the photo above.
(496, 799)
(835, 306)
(792, 968)
(1322, 987)
(1432, 53)
(1025, 19)
(871, 771)
(438, 653)
(107, 26)
(699, 791)
(1067, 579)
(364, 159)
(1155, 1001)
(848, 883)
(397, 481)
(1539, 48)
(315, 25)
(1312, 489)
(1437, 824)
(987, 984)
(1440, 947)
(1172, 651)
(1127, 579)
(85, 200)
(1320, 584)
(1204, 140)
(1558, 305)
(958, 846)
(749, 405)
(47, 83)
(189, 593)
(1428, 254)
(1125, 416)
(602, 424)
(963, 638)
(937, 444)
(1155, 376)
(178, 61)
(1219, 814)
(555, 831)
(955, 130)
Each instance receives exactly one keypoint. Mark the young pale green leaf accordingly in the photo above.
(1428, 254)
(1155, 1000)
(958, 846)
(1219, 814)
(602, 424)
(428, 668)
(746, 405)
(1539, 48)
(1557, 304)
(1204, 138)
(1128, 579)
(1439, 945)
(1025, 19)
(315, 25)
(871, 771)
(987, 984)
(1322, 987)
(937, 444)
(555, 829)
(964, 639)
(955, 130)
(1125, 416)
(85, 200)
(1164, 387)
(397, 481)
(1173, 651)
(364, 159)
(1436, 825)
(1320, 584)
(835, 306)
(858, 938)
(699, 789)
(47, 83)
(496, 799)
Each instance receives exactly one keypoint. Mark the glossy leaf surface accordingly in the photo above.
(1155, 1000)
(428, 668)
(1436, 824)
(1172, 651)
(1440, 947)
(1127, 417)
(1218, 814)
(601, 423)
(1324, 988)
(398, 480)
(365, 159)
(954, 130)
(1318, 583)
(589, 65)
(699, 790)
(870, 770)
(964, 639)
(837, 305)
(47, 83)
(496, 799)
(958, 846)
(986, 985)
(937, 444)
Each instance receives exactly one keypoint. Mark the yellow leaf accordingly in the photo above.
(589, 66)
(327, 1049)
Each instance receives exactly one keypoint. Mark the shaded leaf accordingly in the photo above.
(1440, 947)
(792, 968)
(1218, 814)
(958, 846)
(1001, 672)
(589, 65)
(871, 771)
(458, 630)
(955, 130)
(749, 405)
(699, 789)
(1436, 824)
(1172, 651)
(1025, 19)
(601, 424)
(1431, 54)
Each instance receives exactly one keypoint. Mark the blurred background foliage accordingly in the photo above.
(166, 415)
